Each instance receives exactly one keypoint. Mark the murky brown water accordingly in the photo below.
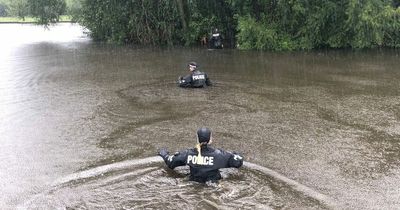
(327, 120)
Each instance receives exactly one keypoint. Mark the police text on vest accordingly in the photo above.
(197, 77)
(203, 160)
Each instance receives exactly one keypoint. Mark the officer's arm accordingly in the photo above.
(178, 159)
(208, 81)
(235, 160)
(185, 81)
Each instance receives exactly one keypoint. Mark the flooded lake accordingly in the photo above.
(81, 122)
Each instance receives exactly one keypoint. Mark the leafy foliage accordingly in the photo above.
(246, 24)
(140, 21)
(47, 11)
(73, 8)
(256, 35)
(329, 23)
(391, 19)
(3, 10)
(19, 8)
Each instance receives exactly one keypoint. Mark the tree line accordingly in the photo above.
(245, 24)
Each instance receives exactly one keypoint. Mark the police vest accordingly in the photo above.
(198, 79)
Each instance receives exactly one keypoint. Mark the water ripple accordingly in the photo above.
(145, 183)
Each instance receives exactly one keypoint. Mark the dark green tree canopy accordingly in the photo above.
(246, 24)
(47, 11)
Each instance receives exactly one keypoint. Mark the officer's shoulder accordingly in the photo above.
(223, 152)
(192, 150)
(183, 152)
(219, 151)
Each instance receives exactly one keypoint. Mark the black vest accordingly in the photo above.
(198, 79)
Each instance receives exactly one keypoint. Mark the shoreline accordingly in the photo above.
(33, 22)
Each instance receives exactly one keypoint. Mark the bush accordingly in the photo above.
(258, 35)
(391, 18)
(3, 10)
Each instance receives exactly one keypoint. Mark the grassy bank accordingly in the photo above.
(63, 18)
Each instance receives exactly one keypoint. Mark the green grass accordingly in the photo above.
(63, 18)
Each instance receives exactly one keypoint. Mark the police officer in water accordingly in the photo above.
(216, 40)
(196, 78)
(204, 161)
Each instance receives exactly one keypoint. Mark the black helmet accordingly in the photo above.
(204, 134)
(193, 64)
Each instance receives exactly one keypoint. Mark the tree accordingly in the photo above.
(3, 10)
(73, 8)
(183, 13)
(47, 11)
(396, 3)
(19, 8)
(249, 24)
(306, 24)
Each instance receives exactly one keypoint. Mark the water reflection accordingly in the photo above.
(15, 35)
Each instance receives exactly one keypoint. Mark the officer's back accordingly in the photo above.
(212, 160)
(204, 161)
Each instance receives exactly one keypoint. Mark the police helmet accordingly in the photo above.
(193, 64)
(204, 134)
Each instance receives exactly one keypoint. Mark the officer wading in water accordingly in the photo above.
(204, 161)
(196, 78)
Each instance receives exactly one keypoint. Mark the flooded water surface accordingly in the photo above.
(81, 122)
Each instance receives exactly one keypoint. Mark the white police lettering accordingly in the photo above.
(197, 77)
(237, 157)
(204, 160)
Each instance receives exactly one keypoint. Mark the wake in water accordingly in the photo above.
(146, 183)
